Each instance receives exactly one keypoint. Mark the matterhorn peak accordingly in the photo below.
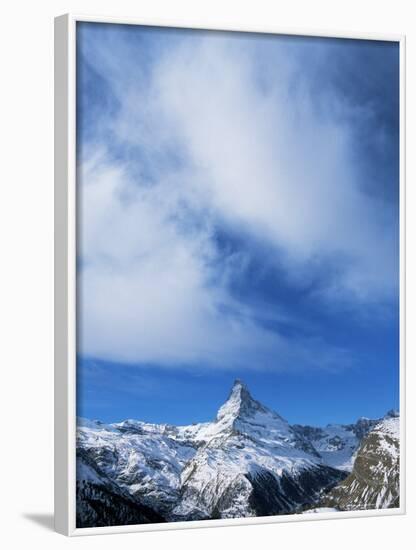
(240, 403)
(240, 389)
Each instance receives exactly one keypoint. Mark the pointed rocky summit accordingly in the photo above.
(240, 403)
(247, 462)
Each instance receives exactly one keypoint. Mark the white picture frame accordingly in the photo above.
(65, 280)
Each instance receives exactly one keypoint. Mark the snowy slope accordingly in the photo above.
(337, 444)
(251, 450)
(142, 459)
(248, 461)
(101, 502)
(375, 479)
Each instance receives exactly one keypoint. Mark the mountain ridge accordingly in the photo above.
(369, 485)
(248, 461)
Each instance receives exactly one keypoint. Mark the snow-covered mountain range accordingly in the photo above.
(248, 462)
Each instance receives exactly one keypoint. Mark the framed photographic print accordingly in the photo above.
(229, 284)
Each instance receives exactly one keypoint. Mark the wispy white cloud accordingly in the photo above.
(259, 156)
(153, 292)
(272, 162)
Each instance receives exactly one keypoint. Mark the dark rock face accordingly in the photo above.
(363, 426)
(101, 503)
(289, 494)
(97, 506)
(375, 479)
(309, 432)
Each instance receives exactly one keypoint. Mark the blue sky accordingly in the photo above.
(238, 218)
